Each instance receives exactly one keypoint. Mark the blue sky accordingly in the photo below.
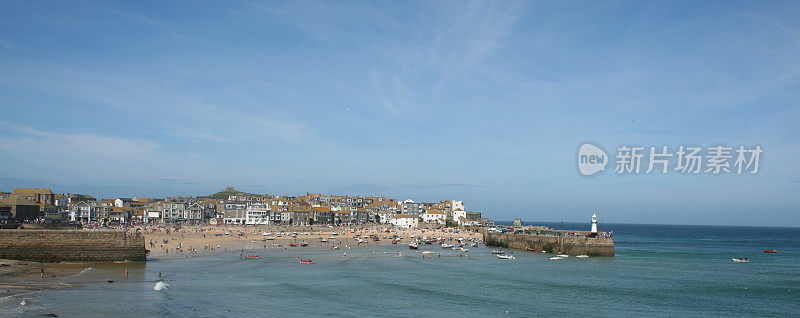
(486, 102)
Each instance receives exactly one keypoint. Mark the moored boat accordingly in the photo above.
(582, 256)
(413, 245)
(252, 256)
(770, 251)
(498, 252)
(741, 260)
(506, 256)
(306, 261)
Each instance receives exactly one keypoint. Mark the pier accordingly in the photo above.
(553, 241)
(70, 245)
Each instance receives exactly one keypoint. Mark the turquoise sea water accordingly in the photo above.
(658, 270)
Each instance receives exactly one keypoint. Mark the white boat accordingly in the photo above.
(461, 249)
(563, 255)
(506, 256)
(268, 238)
(555, 258)
(741, 260)
(498, 252)
(266, 233)
(582, 256)
(427, 252)
(413, 245)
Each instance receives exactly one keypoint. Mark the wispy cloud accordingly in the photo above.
(49, 144)
(457, 43)
(160, 98)
(58, 156)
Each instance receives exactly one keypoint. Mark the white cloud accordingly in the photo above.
(29, 152)
(160, 97)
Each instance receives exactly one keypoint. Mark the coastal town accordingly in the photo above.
(232, 207)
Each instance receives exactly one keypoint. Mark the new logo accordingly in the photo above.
(591, 159)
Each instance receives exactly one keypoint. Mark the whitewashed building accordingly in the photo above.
(405, 221)
(257, 214)
(434, 216)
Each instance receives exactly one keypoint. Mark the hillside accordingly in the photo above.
(227, 192)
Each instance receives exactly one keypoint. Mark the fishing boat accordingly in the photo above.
(252, 256)
(562, 255)
(268, 238)
(474, 244)
(555, 258)
(445, 245)
(413, 245)
(293, 244)
(506, 256)
(741, 260)
(770, 251)
(582, 256)
(427, 252)
(306, 261)
(304, 244)
(530, 249)
(498, 252)
(324, 240)
(461, 249)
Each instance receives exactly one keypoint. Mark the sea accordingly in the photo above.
(658, 271)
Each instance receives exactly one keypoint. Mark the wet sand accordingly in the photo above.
(21, 277)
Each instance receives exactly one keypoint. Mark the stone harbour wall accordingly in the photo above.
(71, 246)
(571, 245)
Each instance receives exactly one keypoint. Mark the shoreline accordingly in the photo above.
(19, 278)
(23, 277)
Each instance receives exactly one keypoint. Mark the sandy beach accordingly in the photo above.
(168, 242)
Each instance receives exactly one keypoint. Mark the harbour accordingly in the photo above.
(654, 267)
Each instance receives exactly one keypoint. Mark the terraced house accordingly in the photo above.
(234, 207)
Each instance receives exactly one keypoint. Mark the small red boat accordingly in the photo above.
(770, 251)
(306, 261)
(293, 244)
(251, 256)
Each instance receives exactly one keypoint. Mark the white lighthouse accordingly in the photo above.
(594, 224)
